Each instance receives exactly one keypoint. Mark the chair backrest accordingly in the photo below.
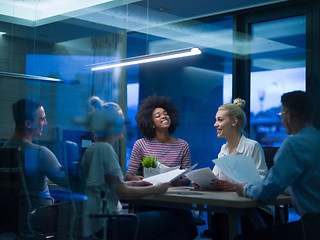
(15, 203)
(71, 162)
(269, 153)
(71, 157)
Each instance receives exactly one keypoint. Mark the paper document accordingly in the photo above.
(239, 168)
(169, 176)
(202, 177)
(164, 168)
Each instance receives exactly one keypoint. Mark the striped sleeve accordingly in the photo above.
(135, 158)
(186, 157)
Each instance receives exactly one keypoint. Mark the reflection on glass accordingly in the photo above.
(197, 85)
(278, 68)
(132, 108)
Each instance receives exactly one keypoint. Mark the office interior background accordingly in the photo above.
(253, 49)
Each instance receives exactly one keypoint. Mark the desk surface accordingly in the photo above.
(186, 195)
(216, 201)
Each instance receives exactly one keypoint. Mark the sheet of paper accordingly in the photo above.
(169, 176)
(239, 168)
(164, 168)
(202, 177)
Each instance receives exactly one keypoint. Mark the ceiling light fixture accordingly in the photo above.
(145, 59)
(2, 33)
(31, 77)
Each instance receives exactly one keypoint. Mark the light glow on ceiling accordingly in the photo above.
(146, 59)
(31, 77)
(37, 10)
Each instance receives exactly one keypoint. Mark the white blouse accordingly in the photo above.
(247, 147)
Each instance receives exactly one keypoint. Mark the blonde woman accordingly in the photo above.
(230, 121)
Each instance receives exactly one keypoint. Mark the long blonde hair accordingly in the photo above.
(235, 110)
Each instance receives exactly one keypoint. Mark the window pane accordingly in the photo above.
(278, 66)
(196, 85)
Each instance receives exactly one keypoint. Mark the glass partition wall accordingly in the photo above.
(197, 85)
(277, 67)
(47, 49)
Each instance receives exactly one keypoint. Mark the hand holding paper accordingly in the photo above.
(202, 177)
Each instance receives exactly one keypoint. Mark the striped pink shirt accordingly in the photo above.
(169, 154)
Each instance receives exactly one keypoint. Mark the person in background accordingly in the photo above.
(230, 121)
(158, 119)
(105, 185)
(296, 168)
(40, 163)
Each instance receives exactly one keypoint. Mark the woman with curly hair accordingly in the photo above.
(158, 119)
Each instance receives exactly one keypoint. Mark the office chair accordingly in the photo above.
(113, 219)
(281, 211)
(15, 203)
(71, 157)
(269, 153)
(71, 162)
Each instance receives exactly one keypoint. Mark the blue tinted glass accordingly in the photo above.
(197, 86)
(278, 66)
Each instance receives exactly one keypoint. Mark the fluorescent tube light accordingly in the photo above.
(145, 59)
(31, 77)
(2, 33)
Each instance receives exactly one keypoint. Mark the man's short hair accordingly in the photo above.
(299, 103)
(25, 109)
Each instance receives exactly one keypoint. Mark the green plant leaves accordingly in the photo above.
(149, 162)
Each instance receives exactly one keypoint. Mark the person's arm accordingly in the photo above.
(223, 185)
(138, 183)
(185, 163)
(240, 188)
(51, 167)
(127, 192)
(286, 170)
(186, 158)
(134, 162)
(131, 177)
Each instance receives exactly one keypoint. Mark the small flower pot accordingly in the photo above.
(148, 172)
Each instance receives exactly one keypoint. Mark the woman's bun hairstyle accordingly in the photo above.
(104, 118)
(239, 102)
(95, 103)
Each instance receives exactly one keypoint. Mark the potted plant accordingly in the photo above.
(150, 166)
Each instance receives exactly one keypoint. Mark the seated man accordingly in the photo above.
(296, 167)
(40, 162)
